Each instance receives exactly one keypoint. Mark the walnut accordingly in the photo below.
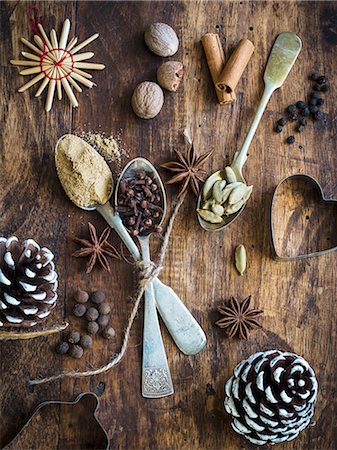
(147, 99)
(170, 74)
(161, 39)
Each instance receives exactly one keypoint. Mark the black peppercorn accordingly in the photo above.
(103, 320)
(293, 117)
(104, 308)
(74, 337)
(320, 102)
(278, 128)
(97, 297)
(314, 77)
(282, 121)
(76, 351)
(86, 341)
(291, 109)
(109, 333)
(306, 112)
(313, 101)
(300, 104)
(92, 327)
(81, 296)
(92, 314)
(62, 348)
(290, 139)
(322, 79)
(316, 87)
(314, 94)
(313, 110)
(303, 121)
(79, 310)
(325, 88)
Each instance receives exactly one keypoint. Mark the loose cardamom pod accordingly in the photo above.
(230, 175)
(240, 258)
(209, 216)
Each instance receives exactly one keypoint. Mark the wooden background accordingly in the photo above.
(298, 297)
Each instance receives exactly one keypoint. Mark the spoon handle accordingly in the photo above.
(156, 376)
(241, 157)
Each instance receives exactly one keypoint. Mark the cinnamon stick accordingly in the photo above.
(215, 58)
(236, 64)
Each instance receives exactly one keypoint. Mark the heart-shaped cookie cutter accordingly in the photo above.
(318, 188)
(84, 405)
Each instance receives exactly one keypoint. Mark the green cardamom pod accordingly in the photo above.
(208, 186)
(218, 187)
(209, 216)
(230, 175)
(240, 258)
(218, 209)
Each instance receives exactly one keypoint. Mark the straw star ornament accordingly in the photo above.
(57, 64)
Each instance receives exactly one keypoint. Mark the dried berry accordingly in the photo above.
(290, 139)
(109, 333)
(104, 308)
(74, 337)
(314, 77)
(322, 79)
(313, 101)
(282, 121)
(76, 351)
(92, 327)
(325, 88)
(303, 121)
(92, 314)
(62, 348)
(300, 104)
(81, 296)
(86, 341)
(278, 128)
(314, 94)
(320, 102)
(79, 310)
(103, 320)
(316, 87)
(293, 117)
(291, 109)
(306, 112)
(313, 110)
(97, 297)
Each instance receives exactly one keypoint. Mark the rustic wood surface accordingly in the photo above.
(298, 297)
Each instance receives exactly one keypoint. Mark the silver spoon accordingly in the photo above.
(184, 329)
(156, 377)
(283, 55)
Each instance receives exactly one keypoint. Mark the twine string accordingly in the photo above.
(34, 18)
(148, 272)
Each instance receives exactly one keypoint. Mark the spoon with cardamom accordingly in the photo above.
(87, 180)
(225, 193)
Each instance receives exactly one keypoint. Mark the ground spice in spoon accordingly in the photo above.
(83, 173)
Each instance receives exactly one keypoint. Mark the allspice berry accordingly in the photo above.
(81, 296)
(76, 351)
(91, 314)
(62, 348)
(170, 74)
(109, 333)
(86, 341)
(79, 310)
(92, 327)
(74, 337)
(103, 320)
(97, 297)
(104, 308)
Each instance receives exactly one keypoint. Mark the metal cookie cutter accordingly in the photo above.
(303, 221)
(80, 430)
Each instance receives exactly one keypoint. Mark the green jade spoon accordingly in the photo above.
(283, 55)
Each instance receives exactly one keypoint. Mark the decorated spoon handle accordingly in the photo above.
(184, 329)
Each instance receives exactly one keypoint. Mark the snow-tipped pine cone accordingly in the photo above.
(271, 397)
(28, 283)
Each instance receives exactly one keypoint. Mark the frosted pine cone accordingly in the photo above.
(271, 397)
(28, 283)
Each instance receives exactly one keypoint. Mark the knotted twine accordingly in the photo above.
(148, 272)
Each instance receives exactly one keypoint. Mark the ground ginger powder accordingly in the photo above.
(83, 173)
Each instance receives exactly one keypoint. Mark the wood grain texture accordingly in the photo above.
(298, 297)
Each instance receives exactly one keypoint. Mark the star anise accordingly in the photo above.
(98, 248)
(238, 318)
(188, 170)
